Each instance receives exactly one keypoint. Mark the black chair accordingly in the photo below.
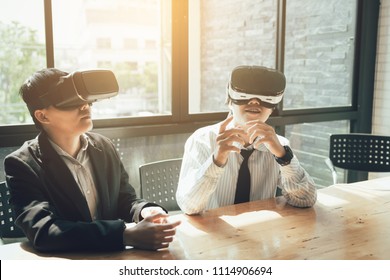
(359, 152)
(159, 182)
(8, 231)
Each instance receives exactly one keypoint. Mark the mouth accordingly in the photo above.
(253, 110)
(86, 116)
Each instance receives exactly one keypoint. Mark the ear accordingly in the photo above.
(40, 115)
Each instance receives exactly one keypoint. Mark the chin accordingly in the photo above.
(252, 117)
(87, 126)
(90, 127)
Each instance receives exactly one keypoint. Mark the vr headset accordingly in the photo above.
(247, 82)
(80, 87)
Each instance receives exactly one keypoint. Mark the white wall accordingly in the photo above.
(381, 112)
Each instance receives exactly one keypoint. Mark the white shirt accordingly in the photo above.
(81, 169)
(203, 185)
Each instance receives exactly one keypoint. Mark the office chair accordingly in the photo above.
(159, 182)
(8, 231)
(360, 152)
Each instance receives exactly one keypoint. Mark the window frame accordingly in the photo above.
(181, 121)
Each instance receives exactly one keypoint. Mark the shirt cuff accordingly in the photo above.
(292, 168)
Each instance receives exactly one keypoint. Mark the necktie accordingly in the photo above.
(244, 179)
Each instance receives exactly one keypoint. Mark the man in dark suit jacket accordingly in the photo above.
(69, 187)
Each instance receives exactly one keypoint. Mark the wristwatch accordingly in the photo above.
(286, 159)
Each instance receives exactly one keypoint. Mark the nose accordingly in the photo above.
(254, 101)
(85, 106)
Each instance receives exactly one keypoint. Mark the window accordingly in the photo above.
(150, 44)
(130, 43)
(133, 38)
(319, 53)
(22, 52)
(113, 26)
(310, 142)
(172, 59)
(319, 49)
(103, 43)
(221, 37)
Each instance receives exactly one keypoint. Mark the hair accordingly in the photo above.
(35, 86)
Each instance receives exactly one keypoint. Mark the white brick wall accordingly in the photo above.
(381, 112)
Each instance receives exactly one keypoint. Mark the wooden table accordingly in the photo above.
(349, 221)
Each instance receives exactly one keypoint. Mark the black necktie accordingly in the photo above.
(244, 179)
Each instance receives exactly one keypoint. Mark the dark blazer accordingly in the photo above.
(50, 207)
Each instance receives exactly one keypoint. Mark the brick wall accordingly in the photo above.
(233, 33)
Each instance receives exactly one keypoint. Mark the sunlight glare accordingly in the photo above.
(189, 230)
(330, 200)
(249, 218)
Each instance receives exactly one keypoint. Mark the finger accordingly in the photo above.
(225, 123)
(160, 221)
(168, 239)
(162, 246)
(259, 130)
(256, 136)
(169, 232)
(157, 245)
(163, 221)
(155, 217)
(175, 224)
(230, 139)
(168, 226)
(233, 131)
(257, 126)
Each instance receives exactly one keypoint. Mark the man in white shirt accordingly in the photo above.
(212, 159)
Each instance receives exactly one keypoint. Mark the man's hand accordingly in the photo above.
(225, 142)
(149, 235)
(261, 132)
(153, 210)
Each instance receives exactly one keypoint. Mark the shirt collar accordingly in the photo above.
(84, 140)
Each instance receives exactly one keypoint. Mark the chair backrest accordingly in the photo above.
(7, 216)
(159, 182)
(361, 152)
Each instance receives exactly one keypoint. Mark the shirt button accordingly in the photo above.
(88, 191)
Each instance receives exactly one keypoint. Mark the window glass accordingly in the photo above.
(223, 35)
(22, 52)
(310, 143)
(319, 52)
(130, 37)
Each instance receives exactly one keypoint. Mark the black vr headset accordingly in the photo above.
(247, 82)
(80, 87)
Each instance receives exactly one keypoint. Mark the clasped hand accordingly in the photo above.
(153, 232)
(229, 140)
